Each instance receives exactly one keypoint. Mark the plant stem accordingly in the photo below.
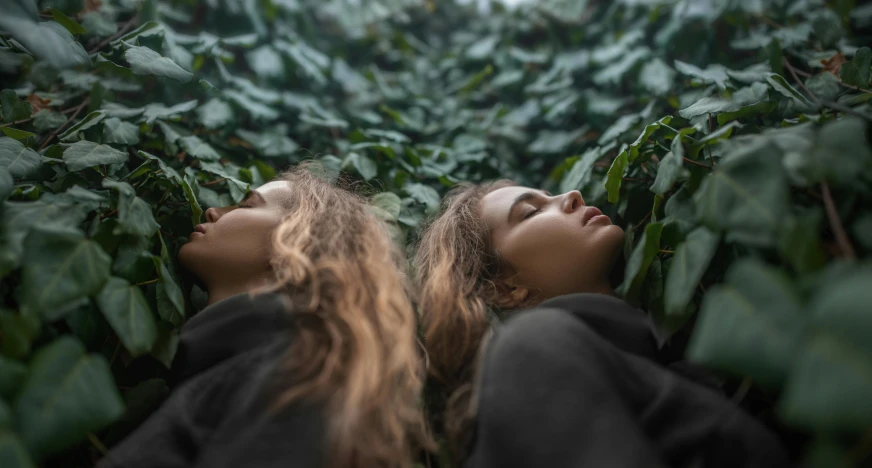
(98, 444)
(821, 103)
(836, 224)
(58, 130)
(667, 251)
(217, 181)
(707, 147)
(691, 161)
(641, 222)
(147, 282)
(126, 27)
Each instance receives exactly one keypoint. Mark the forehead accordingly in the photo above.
(277, 191)
(499, 201)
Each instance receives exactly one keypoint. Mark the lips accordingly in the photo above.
(589, 213)
(200, 228)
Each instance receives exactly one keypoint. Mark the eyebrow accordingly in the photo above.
(524, 197)
(251, 193)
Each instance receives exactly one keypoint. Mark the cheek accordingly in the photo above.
(238, 244)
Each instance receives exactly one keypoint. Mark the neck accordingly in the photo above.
(221, 291)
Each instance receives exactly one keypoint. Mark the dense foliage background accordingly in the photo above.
(730, 138)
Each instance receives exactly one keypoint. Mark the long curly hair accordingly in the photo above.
(458, 276)
(355, 348)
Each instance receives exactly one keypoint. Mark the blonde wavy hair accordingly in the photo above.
(459, 279)
(355, 347)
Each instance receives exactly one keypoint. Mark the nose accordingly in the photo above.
(213, 214)
(572, 201)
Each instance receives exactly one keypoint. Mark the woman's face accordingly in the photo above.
(234, 245)
(554, 244)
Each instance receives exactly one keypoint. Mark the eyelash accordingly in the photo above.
(530, 214)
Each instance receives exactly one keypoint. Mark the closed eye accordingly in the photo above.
(531, 213)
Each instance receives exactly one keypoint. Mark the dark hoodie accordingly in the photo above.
(580, 381)
(217, 414)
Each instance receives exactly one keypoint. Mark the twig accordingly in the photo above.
(16, 123)
(126, 27)
(836, 224)
(707, 147)
(742, 391)
(691, 161)
(58, 130)
(641, 222)
(147, 282)
(667, 251)
(821, 103)
(217, 181)
(96, 443)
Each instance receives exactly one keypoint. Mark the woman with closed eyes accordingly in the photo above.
(575, 376)
(306, 355)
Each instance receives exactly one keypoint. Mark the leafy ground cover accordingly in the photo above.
(731, 139)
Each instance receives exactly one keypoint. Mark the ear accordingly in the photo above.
(510, 297)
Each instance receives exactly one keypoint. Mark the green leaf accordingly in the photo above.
(7, 183)
(857, 71)
(752, 326)
(198, 148)
(67, 22)
(156, 111)
(824, 85)
(388, 202)
(423, 194)
(746, 196)
(657, 77)
(616, 176)
(67, 394)
(779, 84)
(12, 451)
(60, 267)
(670, 169)
(15, 133)
(48, 40)
(581, 171)
(829, 386)
(119, 132)
(16, 158)
(828, 28)
(750, 96)
(637, 264)
(800, 244)
(716, 73)
(12, 375)
(127, 311)
(144, 61)
(46, 119)
(691, 259)
(364, 166)
(98, 24)
(134, 214)
(13, 109)
(74, 132)
(841, 152)
(215, 113)
(84, 154)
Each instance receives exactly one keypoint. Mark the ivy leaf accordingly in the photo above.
(127, 311)
(12, 451)
(98, 24)
(144, 61)
(134, 214)
(119, 132)
(13, 109)
(76, 130)
(7, 183)
(828, 387)
(751, 326)
(364, 166)
(616, 175)
(19, 160)
(67, 22)
(657, 77)
(11, 378)
(84, 154)
(716, 74)
(61, 266)
(857, 71)
(389, 203)
(46, 119)
(47, 40)
(670, 169)
(67, 394)
(779, 84)
(637, 265)
(824, 85)
(746, 196)
(198, 148)
(423, 194)
(215, 113)
(749, 97)
(690, 261)
(156, 111)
